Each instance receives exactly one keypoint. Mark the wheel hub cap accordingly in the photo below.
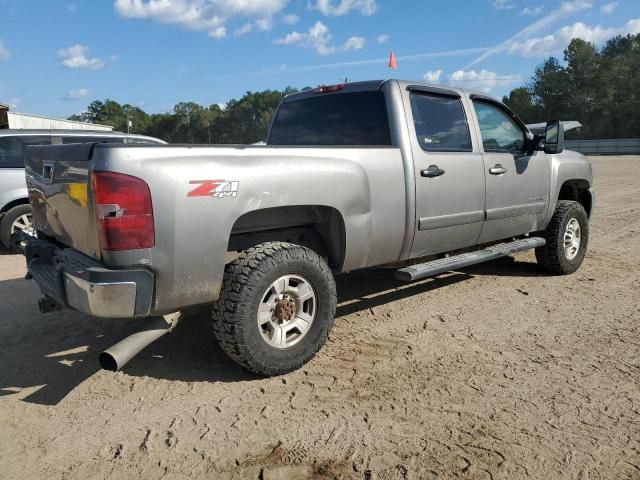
(572, 239)
(287, 311)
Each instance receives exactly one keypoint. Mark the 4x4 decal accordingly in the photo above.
(214, 188)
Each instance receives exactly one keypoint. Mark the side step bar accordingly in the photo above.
(429, 269)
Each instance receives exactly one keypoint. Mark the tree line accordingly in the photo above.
(245, 121)
(598, 87)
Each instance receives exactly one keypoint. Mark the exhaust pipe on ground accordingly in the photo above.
(117, 356)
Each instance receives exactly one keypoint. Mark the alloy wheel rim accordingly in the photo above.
(23, 224)
(286, 312)
(572, 239)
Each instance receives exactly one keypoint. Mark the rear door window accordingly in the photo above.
(440, 123)
(343, 119)
(12, 148)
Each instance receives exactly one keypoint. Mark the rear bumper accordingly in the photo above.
(73, 280)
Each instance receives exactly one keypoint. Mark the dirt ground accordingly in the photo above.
(498, 371)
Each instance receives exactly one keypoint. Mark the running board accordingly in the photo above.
(429, 269)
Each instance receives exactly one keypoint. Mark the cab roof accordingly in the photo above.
(372, 85)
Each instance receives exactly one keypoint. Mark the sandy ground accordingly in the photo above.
(497, 372)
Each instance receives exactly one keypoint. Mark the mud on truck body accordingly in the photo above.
(352, 176)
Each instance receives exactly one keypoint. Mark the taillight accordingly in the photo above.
(124, 210)
(330, 88)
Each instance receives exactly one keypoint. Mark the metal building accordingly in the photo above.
(16, 120)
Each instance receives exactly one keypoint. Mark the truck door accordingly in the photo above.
(449, 172)
(517, 183)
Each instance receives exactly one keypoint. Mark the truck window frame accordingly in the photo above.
(438, 93)
(387, 121)
(511, 116)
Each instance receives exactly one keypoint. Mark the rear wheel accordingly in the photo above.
(276, 307)
(18, 219)
(567, 236)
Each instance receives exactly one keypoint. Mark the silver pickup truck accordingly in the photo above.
(356, 175)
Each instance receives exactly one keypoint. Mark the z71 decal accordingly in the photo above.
(214, 188)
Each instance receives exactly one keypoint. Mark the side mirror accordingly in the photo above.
(554, 137)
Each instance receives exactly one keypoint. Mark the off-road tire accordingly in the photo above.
(7, 221)
(245, 281)
(552, 256)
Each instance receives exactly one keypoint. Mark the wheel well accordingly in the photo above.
(14, 203)
(317, 227)
(578, 191)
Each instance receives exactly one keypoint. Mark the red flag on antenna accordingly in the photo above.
(392, 61)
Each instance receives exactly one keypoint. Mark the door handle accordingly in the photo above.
(432, 171)
(497, 170)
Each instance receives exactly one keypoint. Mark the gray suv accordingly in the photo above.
(15, 212)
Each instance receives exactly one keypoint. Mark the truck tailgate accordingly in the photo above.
(58, 181)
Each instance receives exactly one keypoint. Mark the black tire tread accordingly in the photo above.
(238, 286)
(550, 256)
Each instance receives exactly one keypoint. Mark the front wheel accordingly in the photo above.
(276, 307)
(567, 236)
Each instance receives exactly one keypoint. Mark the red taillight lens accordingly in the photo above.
(124, 210)
(330, 88)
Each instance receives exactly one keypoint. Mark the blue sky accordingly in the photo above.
(58, 55)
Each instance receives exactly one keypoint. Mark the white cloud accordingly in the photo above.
(558, 41)
(201, 15)
(482, 80)
(218, 32)
(319, 38)
(76, 57)
(342, 7)
(354, 43)
(433, 76)
(72, 7)
(384, 38)
(77, 94)
(575, 6)
(609, 7)
(5, 53)
(532, 11)
(244, 29)
(264, 24)
(291, 19)
(565, 8)
(502, 4)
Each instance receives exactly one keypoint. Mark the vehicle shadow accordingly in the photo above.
(366, 289)
(45, 357)
(507, 267)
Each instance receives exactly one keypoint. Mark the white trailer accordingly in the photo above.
(23, 121)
